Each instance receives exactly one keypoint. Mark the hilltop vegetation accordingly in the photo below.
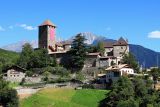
(61, 97)
(7, 58)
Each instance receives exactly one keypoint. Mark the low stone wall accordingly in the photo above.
(33, 79)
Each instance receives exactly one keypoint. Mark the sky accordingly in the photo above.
(136, 20)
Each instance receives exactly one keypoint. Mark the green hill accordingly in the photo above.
(7, 58)
(62, 97)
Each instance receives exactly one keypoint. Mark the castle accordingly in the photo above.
(113, 54)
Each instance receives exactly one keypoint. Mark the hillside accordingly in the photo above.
(7, 57)
(63, 97)
(146, 57)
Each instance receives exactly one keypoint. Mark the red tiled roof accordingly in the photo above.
(48, 22)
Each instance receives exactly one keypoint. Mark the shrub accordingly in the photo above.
(22, 82)
(88, 86)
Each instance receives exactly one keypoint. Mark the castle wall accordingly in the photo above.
(119, 51)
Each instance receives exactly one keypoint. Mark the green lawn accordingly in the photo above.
(63, 97)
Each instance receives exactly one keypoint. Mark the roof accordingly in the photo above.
(106, 57)
(100, 75)
(120, 42)
(17, 67)
(108, 44)
(48, 22)
(117, 67)
(67, 42)
(59, 44)
(93, 54)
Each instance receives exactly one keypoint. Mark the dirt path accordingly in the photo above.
(26, 92)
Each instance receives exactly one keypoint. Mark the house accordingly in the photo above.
(114, 52)
(15, 74)
(116, 71)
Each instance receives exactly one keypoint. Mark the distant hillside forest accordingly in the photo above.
(7, 58)
(145, 57)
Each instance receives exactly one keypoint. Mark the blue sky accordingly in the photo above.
(137, 20)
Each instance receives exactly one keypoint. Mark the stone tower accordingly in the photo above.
(47, 36)
(120, 48)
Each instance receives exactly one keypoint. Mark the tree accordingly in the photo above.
(78, 52)
(100, 48)
(25, 55)
(155, 73)
(130, 60)
(140, 87)
(122, 90)
(128, 103)
(39, 58)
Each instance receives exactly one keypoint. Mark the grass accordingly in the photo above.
(63, 97)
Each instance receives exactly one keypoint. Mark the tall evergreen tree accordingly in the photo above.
(78, 52)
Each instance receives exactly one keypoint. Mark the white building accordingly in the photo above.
(15, 74)
(116, 71)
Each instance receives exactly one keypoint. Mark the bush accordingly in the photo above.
(9, 98)
(80, 76)
(88, 86)
(29, 73)
(22, 82)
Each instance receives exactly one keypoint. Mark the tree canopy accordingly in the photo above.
(39, 58)
(131, 61)
(25, 55)
(8, 96)
(78, 52)
(135, 93)
(100, 48)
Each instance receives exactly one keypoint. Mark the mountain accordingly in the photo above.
(17, 47)
(146, 57)
(90, 38)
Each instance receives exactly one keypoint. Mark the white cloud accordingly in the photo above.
(27, 27)
(2, 29)
(154, 34)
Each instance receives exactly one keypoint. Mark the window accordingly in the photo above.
(121, 47)
(116, 74)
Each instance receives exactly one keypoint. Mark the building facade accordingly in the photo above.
(15, 74)
(113, 73)
(114, 51)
